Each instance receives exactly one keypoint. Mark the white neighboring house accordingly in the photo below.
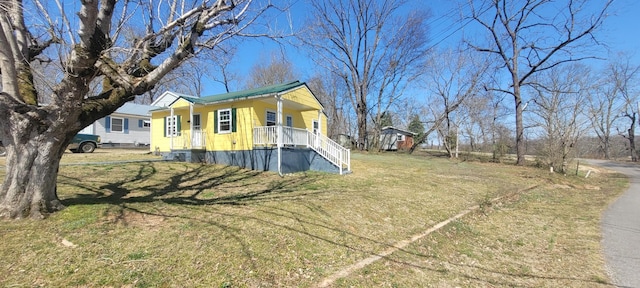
(128, 126)
(167, 98)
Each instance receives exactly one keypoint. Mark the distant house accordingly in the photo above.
(167, 98)
(392, 139)
(275, 128)
(128, 126)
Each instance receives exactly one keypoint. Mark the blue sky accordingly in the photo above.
(620, 33)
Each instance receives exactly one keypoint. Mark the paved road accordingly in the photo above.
(621, 229)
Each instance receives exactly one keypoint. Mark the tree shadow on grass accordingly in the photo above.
(192, 187)
(195, 185)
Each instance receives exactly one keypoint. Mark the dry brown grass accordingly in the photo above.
(179, 224)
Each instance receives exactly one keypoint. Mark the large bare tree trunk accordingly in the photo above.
(30, 190)
(631, 137)
(520, 145)
(632, 143)
(606, 149)
(33, 153)
(363, 142)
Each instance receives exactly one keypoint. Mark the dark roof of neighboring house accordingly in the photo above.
(262, 91)
(397, 130)
(134, 109)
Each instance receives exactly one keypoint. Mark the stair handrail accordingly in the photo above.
(330, 150)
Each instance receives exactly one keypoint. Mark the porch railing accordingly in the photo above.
(327, 148)
(189, 140)
(268, 135)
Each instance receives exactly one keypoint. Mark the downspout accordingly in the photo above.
(279, 127)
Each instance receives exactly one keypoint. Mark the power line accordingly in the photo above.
(445, 32)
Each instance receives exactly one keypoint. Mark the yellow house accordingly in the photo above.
(278, 128)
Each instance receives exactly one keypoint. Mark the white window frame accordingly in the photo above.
(146, 123)
(221, 121)
(266, 118)
(121, 125)
(400, 137)
(315, 125)
(172, 126)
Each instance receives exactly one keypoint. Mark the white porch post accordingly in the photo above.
(173, 127)
(279, 133)
(190, 125)
(320, 121)
(317, 144)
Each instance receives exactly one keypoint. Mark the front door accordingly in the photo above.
(196, 138)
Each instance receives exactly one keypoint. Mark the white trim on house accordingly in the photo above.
(166, 98)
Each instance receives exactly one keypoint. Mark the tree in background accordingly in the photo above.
(451, 77)
(559, 113)
(386, 119)
(603, 110)
(332, 97)
(624, 77)
(528, 37)
(277, 71)
(222, 66)
(93, 54)
(479, 119)
(416, 126)
(371, 47)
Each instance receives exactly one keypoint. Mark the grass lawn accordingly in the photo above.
(183, 225)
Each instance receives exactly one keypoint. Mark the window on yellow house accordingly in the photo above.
(172, 126)
(289, 121)
(224, 121)
(271, 118)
